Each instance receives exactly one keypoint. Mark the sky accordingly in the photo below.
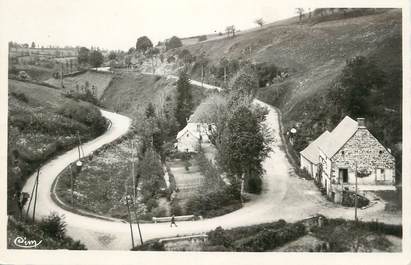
(116, 24)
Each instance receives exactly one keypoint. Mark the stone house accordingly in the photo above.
(348, 154)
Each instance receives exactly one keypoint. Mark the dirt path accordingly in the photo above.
(284, 196)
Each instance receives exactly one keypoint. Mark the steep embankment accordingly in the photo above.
(314, 53)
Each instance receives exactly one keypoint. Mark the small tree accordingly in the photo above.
(143, 44)
(33, 45)
(260, 22)
(300, 12)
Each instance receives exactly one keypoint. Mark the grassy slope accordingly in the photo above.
(100, 80)
(36, 130)
(314, 53)
(128, 93)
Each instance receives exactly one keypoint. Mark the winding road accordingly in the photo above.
(284, 196)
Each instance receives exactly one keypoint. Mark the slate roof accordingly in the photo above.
(339, 136)
(312, 152)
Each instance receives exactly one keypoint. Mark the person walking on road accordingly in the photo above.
(173, 221)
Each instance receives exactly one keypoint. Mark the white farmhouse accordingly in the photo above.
(192, 136)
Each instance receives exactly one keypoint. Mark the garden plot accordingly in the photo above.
(187, 181)
(105, 180)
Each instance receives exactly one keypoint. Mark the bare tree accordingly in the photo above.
(260, 22)
(300, 12)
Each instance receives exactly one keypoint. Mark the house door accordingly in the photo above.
(380, 174)
(343, 174)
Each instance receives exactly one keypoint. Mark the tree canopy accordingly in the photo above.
(359, 77)
(173, 42)
(143, 44)
(95, 58)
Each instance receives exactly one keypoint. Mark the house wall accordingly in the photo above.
(187, 143)
(305, 163)
(364, 150)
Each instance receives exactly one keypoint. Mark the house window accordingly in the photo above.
(209, 127)
(380, 152)
(342, 152)
(343, 174)
(188, 135)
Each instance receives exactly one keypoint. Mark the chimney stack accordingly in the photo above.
(361, 122)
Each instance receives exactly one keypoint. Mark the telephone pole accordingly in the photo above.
(35, 196)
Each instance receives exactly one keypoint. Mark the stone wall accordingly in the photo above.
(365, 150)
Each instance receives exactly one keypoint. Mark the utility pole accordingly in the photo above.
(31, 198)
(132, 170)
(72, 186)
(138, 224)
(356, 192)
(129, 216)
(35, 196)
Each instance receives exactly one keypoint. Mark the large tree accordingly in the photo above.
(143, 44)
(95, 58)
(244, 144)
(184, 99)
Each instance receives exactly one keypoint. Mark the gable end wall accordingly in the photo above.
(364, 149)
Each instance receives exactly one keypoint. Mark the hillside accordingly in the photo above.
(99, 80)
(41, 124)
(313, 53)
(130, 92)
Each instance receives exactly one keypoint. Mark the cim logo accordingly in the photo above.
(24, 243)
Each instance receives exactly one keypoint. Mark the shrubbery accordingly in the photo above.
(51, 231)
(86, 114)
(254, 238)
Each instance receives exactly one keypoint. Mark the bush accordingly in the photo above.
(269, 239)
(219, 237)
(86, 114)
(20, 96)
(211, 203)
(53, 226)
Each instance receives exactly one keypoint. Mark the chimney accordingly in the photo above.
(361, 122)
